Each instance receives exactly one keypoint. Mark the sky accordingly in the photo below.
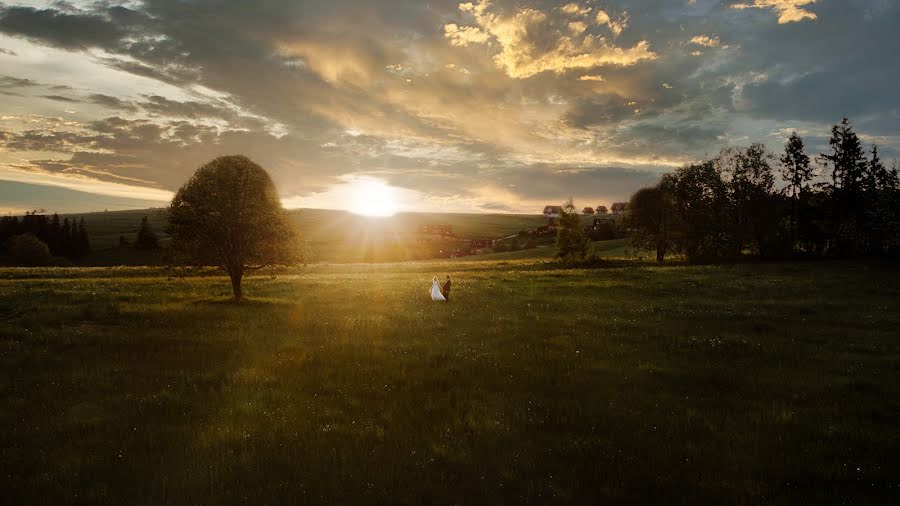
(484, 106)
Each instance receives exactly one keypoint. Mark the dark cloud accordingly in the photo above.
(16, 82)
(71, 31)
(60, 98)
(112, 102)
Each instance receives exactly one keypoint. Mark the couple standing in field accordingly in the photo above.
(439, 292)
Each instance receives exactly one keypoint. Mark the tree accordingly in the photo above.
(81, 239)
(699, 207)
(27, 250)
(571, 243)
(848, 171)
(796, 172)
(649, 218)
(749, 180)
(882, 206)
(146, 237)
(229, 215)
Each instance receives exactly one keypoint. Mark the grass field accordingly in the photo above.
(333, 236)
(744, 384)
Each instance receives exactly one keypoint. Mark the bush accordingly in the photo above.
(27, 250)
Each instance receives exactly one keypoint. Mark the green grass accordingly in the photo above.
(743, 384)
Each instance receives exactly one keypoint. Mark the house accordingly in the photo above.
(619, 207)
(601, 210)
(587, 210)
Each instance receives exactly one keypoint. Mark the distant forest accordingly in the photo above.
(843, 203)
(38, 239)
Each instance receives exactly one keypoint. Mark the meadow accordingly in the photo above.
(327, 235)
(755, 383)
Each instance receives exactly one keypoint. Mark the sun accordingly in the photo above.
(372, 197)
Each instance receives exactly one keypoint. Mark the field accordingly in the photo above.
(332, 236)
(345, 384)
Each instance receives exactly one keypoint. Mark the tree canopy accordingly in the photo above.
(229, 214)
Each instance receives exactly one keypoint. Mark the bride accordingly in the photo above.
(436, 290)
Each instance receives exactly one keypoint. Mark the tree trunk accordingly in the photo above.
(660, 251)
(236, 283)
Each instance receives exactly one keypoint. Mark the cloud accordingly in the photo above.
(60, 28)
(111, 102)
(60, 98)
(575, 9)
(530, 42)
(465, 35)
(16, 82)
(789, 11)
(534, 100)
(706, 40)
(616, 26)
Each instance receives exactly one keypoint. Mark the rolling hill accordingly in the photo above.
(331, 236)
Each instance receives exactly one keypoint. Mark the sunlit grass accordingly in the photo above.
(762, 383)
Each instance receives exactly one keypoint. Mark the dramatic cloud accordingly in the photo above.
(490, 105)
(531, 42)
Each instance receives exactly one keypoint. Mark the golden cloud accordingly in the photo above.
(521, 56)
(706, 40)
(789, 11)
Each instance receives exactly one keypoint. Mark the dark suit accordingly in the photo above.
(446, 289)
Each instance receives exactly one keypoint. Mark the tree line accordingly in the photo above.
(843, 203)
(38, 239)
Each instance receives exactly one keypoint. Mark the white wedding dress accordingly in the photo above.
(436, 291)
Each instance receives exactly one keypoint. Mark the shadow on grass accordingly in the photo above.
(246, 302)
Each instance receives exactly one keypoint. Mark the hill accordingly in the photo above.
(332, 236)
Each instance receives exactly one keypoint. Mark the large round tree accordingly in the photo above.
(229, 215)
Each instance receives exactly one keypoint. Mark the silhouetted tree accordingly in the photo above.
(848, 171)
(749, 180)
(82, 240)
(58, 236)
(649, 217)
(27, 250)
(699, 200)
(146, 237)
(229, 214)
(571, 243)
(796, 173)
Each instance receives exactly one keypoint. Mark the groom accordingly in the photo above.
(446, 289)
